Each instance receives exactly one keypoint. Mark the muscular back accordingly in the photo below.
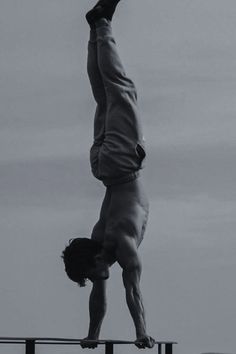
(124, 212)
(127, 212)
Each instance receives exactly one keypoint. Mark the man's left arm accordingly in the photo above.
(129, 260)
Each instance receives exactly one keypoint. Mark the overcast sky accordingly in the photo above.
(182, 57)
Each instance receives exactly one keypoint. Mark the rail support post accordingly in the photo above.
(169, 348)
(109, 348)
(30, 346)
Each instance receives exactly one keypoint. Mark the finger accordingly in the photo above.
(91, 345)
(144, 343)
(140, 345)
(87, 345)
(150, 342)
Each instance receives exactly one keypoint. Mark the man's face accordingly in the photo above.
(99, 271)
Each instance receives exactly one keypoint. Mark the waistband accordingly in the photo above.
(120, 180)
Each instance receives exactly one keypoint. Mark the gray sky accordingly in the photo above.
(182, 57)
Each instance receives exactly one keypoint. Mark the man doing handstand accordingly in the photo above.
(116, 158)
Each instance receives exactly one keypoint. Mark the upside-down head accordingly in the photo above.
(79, 259)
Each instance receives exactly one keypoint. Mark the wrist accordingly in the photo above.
(140, 334)
(94, 333)
(92, 336)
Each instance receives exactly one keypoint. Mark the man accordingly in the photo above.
(116, 157)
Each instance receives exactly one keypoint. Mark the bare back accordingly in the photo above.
(127, 212)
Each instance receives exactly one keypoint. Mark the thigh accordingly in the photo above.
(122, 117)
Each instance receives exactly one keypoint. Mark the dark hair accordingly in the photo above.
(79, 257)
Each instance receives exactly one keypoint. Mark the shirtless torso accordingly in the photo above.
(124, 213)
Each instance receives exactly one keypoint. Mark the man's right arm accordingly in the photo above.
(97, 310)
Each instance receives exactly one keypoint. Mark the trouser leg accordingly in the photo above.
(123, 131)
(98, 90)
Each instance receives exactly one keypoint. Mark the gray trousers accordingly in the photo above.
(118, 151)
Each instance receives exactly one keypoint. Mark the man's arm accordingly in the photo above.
(97, 299)
(131, 279)
(128, 258)
(97, 310)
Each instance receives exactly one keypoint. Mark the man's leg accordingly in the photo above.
(97, 88)
(100, 97)
(120, 89)
(123, 131)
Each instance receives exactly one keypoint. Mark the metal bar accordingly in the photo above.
(169, 348)
(30, 347)
(109, 348)
(71, 340)
(58, 343)
(30, 343)
(4, 342)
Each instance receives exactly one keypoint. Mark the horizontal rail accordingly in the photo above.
(31, 342)
(72, 340)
